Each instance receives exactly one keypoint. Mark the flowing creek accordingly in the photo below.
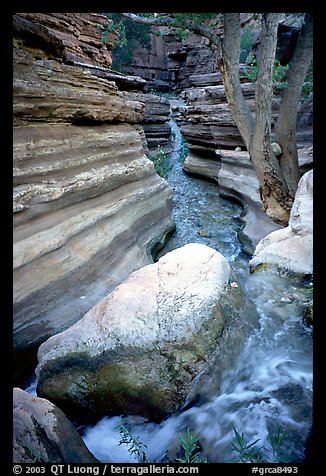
(263, 378)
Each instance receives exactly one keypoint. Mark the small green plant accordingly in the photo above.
(310, 289)
(190, 447)
(279, 72)
(161, 162)
(252, 453)
(276, 440)
(135, 447)
(247, 452)
(33, 458)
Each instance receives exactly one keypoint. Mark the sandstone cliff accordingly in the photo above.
(88, 206)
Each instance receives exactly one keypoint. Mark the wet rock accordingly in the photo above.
(43, 434)
(204, 233)
(141, 349)
(206, 168)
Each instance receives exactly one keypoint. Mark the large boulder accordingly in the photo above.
(290, 249)
(140, 349)
(43, 434)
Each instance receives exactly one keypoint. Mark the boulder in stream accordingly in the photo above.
(43, 434)
(141, 348)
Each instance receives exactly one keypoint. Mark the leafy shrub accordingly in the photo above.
(250, 452)
(190, 447)
(279, 72)
(135, 447)
(161, 162)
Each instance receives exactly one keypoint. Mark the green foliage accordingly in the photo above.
(310, 290)
(130, 35)
(247, 452)
(276, 440)
(135, 447)
(33, 458)
(161, 162)
(115, 27)
(279, 72)
(246, 43)
(307, 87)
(250, 452)
(190, 447)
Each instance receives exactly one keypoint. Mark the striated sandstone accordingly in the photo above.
(88, 206)
(48, 91)
(65, 36)
(156, 119)
(90, 209)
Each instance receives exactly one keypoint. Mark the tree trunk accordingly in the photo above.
(228, 64)
(287, 117)
(273, 188)
(256, 132)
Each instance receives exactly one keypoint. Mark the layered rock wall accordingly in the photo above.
(217, 151)
(65, 36)
(88, 206)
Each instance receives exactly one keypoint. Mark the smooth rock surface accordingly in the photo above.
(141, 348)
(90, 209)
(290, 250)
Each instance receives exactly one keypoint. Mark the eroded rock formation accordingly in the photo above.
(217, 152)
(89, 207)
(290, 250)
(65, 36)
